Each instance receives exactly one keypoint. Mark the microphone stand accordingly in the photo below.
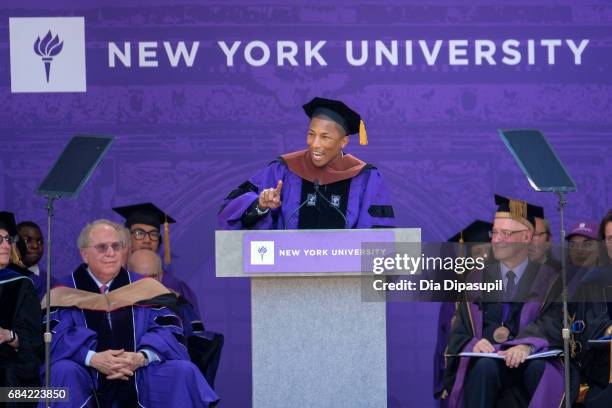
(302, 204)
(47, 335)
(316, 187)
(565, 333)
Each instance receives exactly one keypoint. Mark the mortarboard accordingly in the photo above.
(148, 214)
(477, 232)
(145, 213)
(7, 222)
(339, 113)
(518, 210)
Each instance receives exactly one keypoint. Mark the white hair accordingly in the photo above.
(84, 236)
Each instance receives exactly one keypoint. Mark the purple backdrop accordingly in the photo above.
(187, 135)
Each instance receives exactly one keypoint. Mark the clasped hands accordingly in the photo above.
(514, 356)
(117, 364)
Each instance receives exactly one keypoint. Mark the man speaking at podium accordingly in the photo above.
(316, 188)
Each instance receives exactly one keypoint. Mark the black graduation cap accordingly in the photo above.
(518, 210)
(7, 222)
(477, 231)
(145, 213)
(339, 113)
(148, 214)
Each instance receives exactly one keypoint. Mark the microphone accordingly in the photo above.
(316, 188)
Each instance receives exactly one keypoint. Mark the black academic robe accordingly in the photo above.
(587, 299)
(353, 196)
(478, 318)
(593, 362)
(39, 281)
(204, 346)
(587, 306)
(19, 312)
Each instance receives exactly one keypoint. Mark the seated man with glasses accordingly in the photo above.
(109, 352)
(605, 234)
(541, 244)
(494, 323)
(144, 222)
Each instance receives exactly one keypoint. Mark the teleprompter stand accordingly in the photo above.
(66, 179)
(545, 172)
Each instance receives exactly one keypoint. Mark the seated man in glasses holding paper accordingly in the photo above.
(315, 188)
(495, 322)
(114, 343)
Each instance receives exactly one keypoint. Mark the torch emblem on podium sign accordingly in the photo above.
(50, 46)
(262, 252)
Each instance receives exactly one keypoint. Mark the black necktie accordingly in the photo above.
(510, 285)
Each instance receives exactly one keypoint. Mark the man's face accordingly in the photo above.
(583, 251)
(105, 253)
(510, 240)
(34, 245)
(325, 141)
(540, 244)
(141, 237)
(145, 263)
(608, 238)
(5, 249)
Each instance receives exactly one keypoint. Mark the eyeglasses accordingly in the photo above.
(505, 234)
(102, 247)
(140, 234)
(9, 240)
(537, 235)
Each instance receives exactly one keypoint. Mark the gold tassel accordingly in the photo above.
(167, 259)
(461, 245)
(518, 208)
(363, 136)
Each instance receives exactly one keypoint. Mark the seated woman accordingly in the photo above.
(20, 317)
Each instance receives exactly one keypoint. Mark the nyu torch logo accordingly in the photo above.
(47, 48)
(59, 48)
(262, 252)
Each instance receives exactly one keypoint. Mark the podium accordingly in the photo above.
(315, 342)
